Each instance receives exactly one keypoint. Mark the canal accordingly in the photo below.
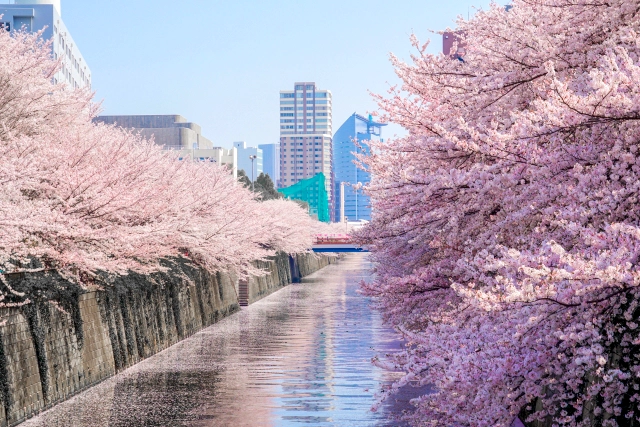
(301, 356)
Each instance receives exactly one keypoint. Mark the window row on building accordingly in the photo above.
(44, 16)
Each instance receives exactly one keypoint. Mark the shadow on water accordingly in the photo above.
(298, 357)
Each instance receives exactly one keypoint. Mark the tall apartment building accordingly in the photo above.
(305, 135)
(271, 161)
(35, 15)
(350, 203)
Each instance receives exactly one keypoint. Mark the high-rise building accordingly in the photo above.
(36, 15)
(305, 135)
(271, 161)
(244, 159)
(349, 202)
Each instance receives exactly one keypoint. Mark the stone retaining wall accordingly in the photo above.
(284, 270)
(49, 353)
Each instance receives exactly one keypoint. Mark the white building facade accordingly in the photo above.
(244, 159)
(221, 156)
(305, 135)
(36, 15)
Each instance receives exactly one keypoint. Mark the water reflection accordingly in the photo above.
(298, 357)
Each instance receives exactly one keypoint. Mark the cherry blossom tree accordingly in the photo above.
(506, 223)
(89, 199)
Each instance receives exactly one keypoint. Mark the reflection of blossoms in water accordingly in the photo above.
(157, 399)
(299, 356)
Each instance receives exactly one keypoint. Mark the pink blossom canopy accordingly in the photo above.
(506, 226)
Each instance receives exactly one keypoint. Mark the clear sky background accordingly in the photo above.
(221, 64)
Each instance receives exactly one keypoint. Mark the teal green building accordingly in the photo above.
(312, 191)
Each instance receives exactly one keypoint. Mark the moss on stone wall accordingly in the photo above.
(38, 318)
(5, 395)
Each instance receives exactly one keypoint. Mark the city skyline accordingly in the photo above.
(221, 60)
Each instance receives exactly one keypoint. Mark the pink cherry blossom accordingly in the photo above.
(87, 199)
(506, 227)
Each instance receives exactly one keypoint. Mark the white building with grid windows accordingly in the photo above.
(36, 15)
(305, 135)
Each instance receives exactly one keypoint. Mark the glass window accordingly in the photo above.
(286, 95)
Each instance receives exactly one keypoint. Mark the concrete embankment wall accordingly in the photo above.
(284, 270)
(51, 351)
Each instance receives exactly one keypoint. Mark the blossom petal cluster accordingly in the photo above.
(506, 226)
(90, 200)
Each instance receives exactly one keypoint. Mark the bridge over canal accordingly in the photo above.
(336, 243)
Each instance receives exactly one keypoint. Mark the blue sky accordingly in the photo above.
(221, 63)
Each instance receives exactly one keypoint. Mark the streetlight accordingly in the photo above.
(252, 157)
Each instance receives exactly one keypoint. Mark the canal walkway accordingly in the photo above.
(301, 356)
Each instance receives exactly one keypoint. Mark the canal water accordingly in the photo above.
(299, 357)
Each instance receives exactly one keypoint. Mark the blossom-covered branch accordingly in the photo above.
(506, 224)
